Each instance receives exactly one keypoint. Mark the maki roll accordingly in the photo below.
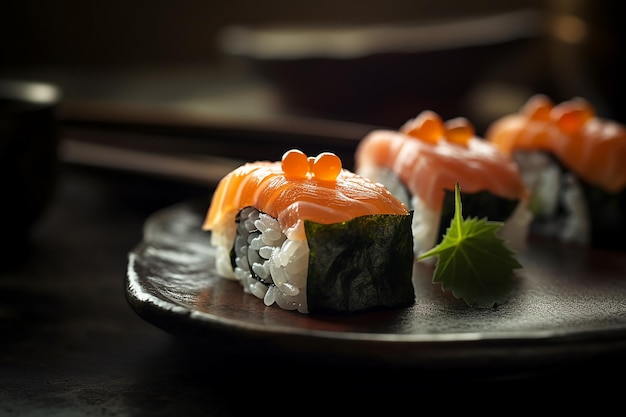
(575, 164)
(308, 235)
(421, 163)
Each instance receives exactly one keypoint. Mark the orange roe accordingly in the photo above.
(430, 128)
(325, 167)
(427, 126)
(295, 164)
(538, 107)
(459, 131)
(571, 115)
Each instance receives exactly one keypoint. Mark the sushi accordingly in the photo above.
(306, 234)
(575, 164)
(422, 161)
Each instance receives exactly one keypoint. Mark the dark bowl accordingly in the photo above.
(29, 137)
(379, 74)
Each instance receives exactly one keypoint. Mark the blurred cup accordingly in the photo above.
(29, 137)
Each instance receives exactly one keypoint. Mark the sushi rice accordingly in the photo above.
(268, 264)
(552, 187)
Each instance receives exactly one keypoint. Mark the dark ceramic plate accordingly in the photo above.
(570, 305)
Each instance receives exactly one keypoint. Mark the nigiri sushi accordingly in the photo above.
(421, 163)
(308, 235)
(575, 164)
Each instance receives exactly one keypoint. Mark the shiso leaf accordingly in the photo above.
(477, 204)
(473, 262)
(360, 264)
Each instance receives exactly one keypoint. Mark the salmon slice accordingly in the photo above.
(592, 147)
(315, 189)
(430, 156)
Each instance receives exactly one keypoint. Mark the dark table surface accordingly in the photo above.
(71, 345)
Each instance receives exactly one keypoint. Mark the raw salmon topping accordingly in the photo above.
(298, 188)
(592, 147)
(430, 156)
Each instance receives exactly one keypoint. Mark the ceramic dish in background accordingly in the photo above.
(383, 73)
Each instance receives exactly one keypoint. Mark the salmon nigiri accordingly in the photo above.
(421, 163)
(299, 233)
(574, 163)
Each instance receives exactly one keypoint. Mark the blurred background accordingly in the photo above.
(372, 62)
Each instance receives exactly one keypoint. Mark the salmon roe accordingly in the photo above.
(538, 107)
(569, 116)
(429, 127)
(296, 165)
(459, 131)
(326, 166)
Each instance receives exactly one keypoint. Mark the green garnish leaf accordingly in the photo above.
(473, 262)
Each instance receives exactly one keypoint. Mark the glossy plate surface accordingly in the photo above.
(570, 304)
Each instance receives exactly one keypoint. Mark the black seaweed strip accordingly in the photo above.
(361, 264)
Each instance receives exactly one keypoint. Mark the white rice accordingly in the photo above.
(268, 264)
(550, 188)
